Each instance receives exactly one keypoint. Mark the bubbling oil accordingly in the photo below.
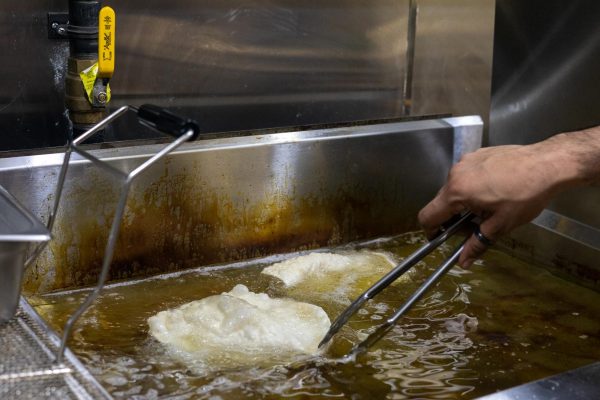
(500, 324)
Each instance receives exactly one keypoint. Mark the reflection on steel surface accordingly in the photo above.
(564, 245)
(237, 65)
(545, 78)
(569, 228)
(229, 199)
(545, 81)
(453, 54)
(577, 384)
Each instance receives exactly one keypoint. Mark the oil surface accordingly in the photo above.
(500, 324)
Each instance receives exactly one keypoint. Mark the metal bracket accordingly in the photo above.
(57, 25)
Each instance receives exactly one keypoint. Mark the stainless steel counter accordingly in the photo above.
(578, 384)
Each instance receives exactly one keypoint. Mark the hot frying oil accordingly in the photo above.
(500, 324)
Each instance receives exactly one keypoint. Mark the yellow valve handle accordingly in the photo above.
(106, 43)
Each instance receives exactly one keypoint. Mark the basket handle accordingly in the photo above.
(165, 121)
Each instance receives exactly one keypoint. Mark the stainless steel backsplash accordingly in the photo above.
(237, 65)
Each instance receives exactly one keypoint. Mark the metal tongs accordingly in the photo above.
(394, 274)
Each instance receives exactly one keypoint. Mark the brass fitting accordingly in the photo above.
(81, 110)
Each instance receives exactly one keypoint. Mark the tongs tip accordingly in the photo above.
(341, 320)
(450, 229)
(325, 340)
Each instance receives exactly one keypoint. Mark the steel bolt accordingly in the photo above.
(102, 97)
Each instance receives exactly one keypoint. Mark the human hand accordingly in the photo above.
(506, 186)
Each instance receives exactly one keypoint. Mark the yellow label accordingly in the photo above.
(106, 42)
(88, 77)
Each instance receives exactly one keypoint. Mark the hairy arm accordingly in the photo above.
(508, 186)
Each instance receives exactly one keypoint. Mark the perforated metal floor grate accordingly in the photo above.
(27, 370)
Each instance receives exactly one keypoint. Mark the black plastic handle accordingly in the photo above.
(167, 122)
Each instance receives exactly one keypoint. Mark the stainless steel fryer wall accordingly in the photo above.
(231, 199)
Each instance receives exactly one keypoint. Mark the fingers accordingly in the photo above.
(438, 211)
(472, 251)
(474, 247)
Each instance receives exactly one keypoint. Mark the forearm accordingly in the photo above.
(572, 158)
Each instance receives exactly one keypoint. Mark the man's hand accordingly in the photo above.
(508, 186)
